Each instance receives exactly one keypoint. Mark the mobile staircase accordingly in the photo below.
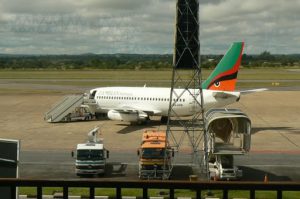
(229, 135)
(66, 106)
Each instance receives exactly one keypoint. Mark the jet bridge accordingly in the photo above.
(229, 131)
(66, 106)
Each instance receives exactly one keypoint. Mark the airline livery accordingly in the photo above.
(136, 104)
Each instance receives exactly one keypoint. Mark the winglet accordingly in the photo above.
(225, 74)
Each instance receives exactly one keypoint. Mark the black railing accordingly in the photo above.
(197, 186)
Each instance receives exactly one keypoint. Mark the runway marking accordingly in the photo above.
(292, 152)
(270, 165)
(47, 163)
(73, 164)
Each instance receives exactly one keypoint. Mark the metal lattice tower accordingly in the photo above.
(187, 76)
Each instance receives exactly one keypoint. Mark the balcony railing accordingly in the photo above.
(197, 186)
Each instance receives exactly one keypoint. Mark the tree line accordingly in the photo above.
(134, 61)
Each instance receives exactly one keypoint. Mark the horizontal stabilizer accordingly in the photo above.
(253, 91)
(223, 95)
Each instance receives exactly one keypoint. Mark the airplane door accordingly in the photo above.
(193, 103)
(92, 96)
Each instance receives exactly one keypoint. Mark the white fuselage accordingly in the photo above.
(155, 101)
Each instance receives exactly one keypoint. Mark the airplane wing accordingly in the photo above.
(225, 94)
(253, 91)
(130, 109)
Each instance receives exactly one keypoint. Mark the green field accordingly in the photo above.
(247, 78)
(84, 192)
(244, 74)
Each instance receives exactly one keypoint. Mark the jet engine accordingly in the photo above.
(127, 117)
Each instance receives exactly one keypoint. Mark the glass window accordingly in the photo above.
(149, 153)
(89, 154)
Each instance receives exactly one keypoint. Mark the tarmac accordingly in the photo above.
(275, 117)
(46, 147)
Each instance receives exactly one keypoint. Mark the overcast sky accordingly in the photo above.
(144, 26)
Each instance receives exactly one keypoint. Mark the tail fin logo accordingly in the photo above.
(217, 84)
(225, 74)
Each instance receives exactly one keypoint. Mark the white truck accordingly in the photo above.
(221, 167)
(91, 156)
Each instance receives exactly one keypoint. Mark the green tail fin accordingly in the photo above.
(224, 75)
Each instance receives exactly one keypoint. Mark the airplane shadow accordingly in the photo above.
(112, 170)
(251, 174)
(255, 130)
(181, 172)
(115, 169)
(128, 128)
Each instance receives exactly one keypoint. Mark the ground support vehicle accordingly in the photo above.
(229, 133)
(79, 113)
(221, 167)
(91, 156)
(155, 156)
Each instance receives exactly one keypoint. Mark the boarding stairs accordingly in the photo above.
(66, 106)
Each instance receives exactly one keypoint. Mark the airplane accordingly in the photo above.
(137, 104)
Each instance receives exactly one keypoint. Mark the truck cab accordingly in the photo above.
(90, 159)
(155, 156)
(80, 113)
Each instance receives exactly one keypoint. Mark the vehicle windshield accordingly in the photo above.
(90, 154)
(150, 153)
(227, 161)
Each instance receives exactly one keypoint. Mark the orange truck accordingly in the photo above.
(155, 156)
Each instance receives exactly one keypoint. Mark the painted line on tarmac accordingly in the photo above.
(271, 165)
(112, 163)
(291, 152)
(47, 163)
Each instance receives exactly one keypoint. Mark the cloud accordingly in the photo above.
(124, 5)
(144, 26)
(264, 25)
(38, 7)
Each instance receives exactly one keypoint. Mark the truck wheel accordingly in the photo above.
(68, 117)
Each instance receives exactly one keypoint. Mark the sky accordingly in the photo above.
(144, 26)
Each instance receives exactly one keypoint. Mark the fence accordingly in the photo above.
(197, 186)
